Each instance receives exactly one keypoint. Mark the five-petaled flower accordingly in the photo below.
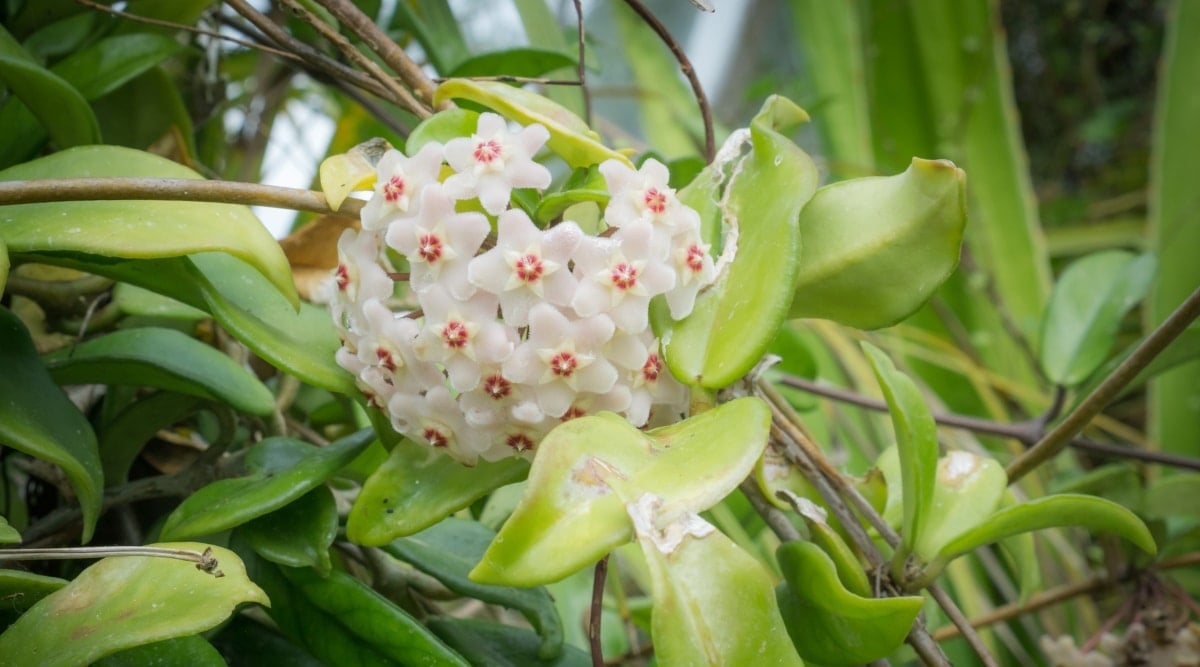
(495, 160)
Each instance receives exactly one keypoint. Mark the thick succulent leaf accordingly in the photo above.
(347, 172)
(20, 589)
(136, 229)
(448, 551)
(849, 568)
(966, 491)
(916, 443)
(37, 418)
(134, 300)
(737, 318)
(713, 603)
(520, 61)
(368, 616)
(876, 248)
(258, 643)
(123, 438)
(1089, 300)
(569, 516)
(417, 487)
(165, 359)
(8, 534)
(831, 625)
(62, 110)
(570, 137)
(1065, 509)
(282, 470)
(442, 127)
(490, 644)
(123, 602)
(298, 534)
(192, 651)
(590, 187)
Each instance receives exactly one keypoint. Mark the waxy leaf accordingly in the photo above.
(20, 589)
(736, 319)
(829, 624)
(8, 534)
(448, 551)
(298, 534)
(192, 651)
(569, 516)
(968, 488)
(490, 644)
(348, 172)
(916, 444)
(520, 61)
(122, 602)
(282, 470)
(875, 249)
(165, 359)
(135, 229)
(713, 603)
(1065, 509)
(1089, 300)
(417, 487)
(123, 437)
(442, 127)
(37, 418)
(849, 568)
(56, 104)
(570, 137)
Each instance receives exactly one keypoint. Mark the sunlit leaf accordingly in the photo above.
(123, 602)
(967, 489)
(166, 359)
(442, 127)
(1089, 300)
(8, 534)
(282, 470)
(37, 418)
(829, 624)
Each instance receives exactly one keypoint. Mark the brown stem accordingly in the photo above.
(1060, 436)
(171, 189)
(581, 68)
(597, 611)
(685, 66)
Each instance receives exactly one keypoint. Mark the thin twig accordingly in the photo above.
(204, 561)
(387, 50)
(685, 65)
(597, 612)
(505, 78)
(776, 520)
(581, 66)
(1060, 436)
(171, 189)
(1027, 432)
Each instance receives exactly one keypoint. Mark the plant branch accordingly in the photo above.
(685, 65)
(204, 560)
(581, 68)
(1027, 432)
(171, 189)
(597, 612)
(1060, 436)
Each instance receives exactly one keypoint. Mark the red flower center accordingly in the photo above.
(488, 151)
(529, 268)
(497, 386)
(429, 248)
(652, 368)
(655, 200)
(435, 437)
(573, 412)
(624, 275)
(342, 275)
(455, 335)
(394, 189)
(563, 364)
(386, 358)
(695, 258)
(519, 442)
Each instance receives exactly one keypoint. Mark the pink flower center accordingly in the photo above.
(529, 268)
(624, 275)
(343, 277)
(563, 364)
(394, 189)
(429, 248)
(655, 200)
(488, 151)
(386, 359)
(652, 368)
(695, 258)
(497, 386)
(435, 437)
(519, 442)
(455, 335)
(573, 412)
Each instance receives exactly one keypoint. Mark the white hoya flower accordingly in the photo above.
(618, 275)
(495, 160)
(439, 243)
(398, 184)
(461, 335)
(644, 195)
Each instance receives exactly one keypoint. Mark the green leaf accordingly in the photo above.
(442, 127)
(829, 624)
(569, 517)
(56, 104)
(136, 229)
(166, 359)
(254, 643)
(1064, 509)
(133, 300)
(370, 617)
(916, 444)
(592, 188)
(298, 534)
(8, 534)
(37, 418)
(145, 110)
(713, 603)
(1085, 311)
(190, 651)
(436, 28)
(570, 137)
(448, 551)
(490, 644)
(849, 568)
(1177, 495)
(417, 487)
(20, 589)
(282, 470)
(966, 491)
(875, 249)
(519, 61)
(5, 265)
(123, 602)
(738, 317)
(123, 438)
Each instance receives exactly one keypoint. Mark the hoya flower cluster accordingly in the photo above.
(519, 327)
